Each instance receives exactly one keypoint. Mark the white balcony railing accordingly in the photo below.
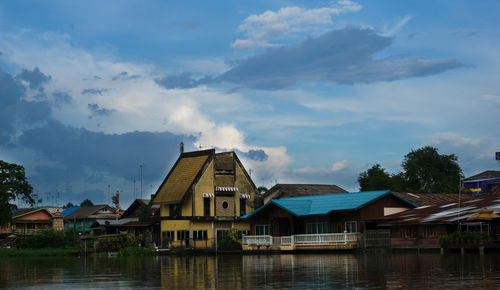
(308, 239)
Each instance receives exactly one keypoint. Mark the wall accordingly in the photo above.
(204, 185)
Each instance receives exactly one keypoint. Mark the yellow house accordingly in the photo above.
(202, 197)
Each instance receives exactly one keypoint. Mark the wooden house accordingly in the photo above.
(33, 220)
(202, 198)
(82, 218)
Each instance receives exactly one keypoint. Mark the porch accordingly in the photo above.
(336, 241)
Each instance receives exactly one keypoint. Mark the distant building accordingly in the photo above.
(483, 182)
(33, 220)
(293, 190)
(82, 218)
(202, 198)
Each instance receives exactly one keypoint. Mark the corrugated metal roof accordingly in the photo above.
(433, 198)
(324, 204)
(69, 210)
(446, 213)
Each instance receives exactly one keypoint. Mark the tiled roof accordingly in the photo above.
(446, 213)
(181, 177)
(433, 198)
(484, 175)
(324, 204)
(292, 190)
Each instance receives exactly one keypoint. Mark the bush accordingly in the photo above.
(116, 243)
(462, 237)
(47, 239)
(230, 241)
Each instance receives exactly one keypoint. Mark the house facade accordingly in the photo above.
(29, 221)
(482, 183)
(81, 219)
(202, 198)
(322, 220)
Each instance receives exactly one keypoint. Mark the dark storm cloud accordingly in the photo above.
(62, 98)
(34, 78)
(117, 154)
(124, 76)
(343, 56)
(96, 111)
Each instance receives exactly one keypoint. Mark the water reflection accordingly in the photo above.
(299, 271)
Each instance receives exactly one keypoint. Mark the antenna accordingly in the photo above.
(182, 147)
(141, 179)
(497, 158)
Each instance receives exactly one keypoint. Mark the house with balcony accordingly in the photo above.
(29, 221)
(318, 222)
(202, 198)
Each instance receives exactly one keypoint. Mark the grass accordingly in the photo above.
(43, 252)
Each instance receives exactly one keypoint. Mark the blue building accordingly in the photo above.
(483, 182)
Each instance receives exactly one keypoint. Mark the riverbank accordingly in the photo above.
(42, 252)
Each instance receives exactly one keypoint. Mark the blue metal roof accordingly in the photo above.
(324, 204)
(69, 210)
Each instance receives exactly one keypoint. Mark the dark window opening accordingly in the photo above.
(224, 204)
(243, 210)
(206, 206)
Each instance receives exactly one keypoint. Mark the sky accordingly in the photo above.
(303, 91)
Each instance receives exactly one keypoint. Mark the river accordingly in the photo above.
(377, 270)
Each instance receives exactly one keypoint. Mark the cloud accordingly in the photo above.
(398, 26)
(340, 56)
(181, 81)
(124, 76)
(475, 154)
(96, 111)
(261, 29)
(94, 91)
(257, 155)
(34, 78)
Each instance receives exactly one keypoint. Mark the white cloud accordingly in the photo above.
(261, 29)
(137, 101)
(394, 29)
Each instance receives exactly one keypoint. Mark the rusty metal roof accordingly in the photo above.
(433, 198)
(447, 212)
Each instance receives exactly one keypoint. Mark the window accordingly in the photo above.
(171, 209)
(351, 227)
(242, 233)
(200, 235)
(261, 230)
(206, 206)
(243, 209)
(168, 235)
(317, 228)
(225, 204)
(182, 235)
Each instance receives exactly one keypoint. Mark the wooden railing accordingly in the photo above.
(307, 239)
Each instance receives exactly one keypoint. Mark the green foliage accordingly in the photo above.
(262, 189)
(13, 183)
(230, 241)
(86, 202)
(425, 171)
(68, 205)
(375, 178)
(462, 237)
(116, 243)
(47, 239)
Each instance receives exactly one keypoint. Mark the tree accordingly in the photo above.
(86, 202)
(13, 183)
(262, 189)
(427, 171)
(375, 178)
(69, 204)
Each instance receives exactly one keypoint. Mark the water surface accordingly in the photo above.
(376, 270)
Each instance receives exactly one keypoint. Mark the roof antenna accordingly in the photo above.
(182, 147)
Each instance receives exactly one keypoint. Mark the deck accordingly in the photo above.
(340, 241)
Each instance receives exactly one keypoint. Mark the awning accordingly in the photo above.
(245, 196)
(209, 195)
(225, 188)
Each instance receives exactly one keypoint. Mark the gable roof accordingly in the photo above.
(131, 210)
(324, 204)
(489, 174)
(292, 190)
(85, 211)
(182, 176)
(26, 211)
(69, 210)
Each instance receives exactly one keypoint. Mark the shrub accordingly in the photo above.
(230, 241)
(46, 239)
(116, 243)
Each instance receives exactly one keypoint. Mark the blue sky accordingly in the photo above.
(304, 91)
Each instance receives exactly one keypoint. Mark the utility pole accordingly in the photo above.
(109, 195)
(141, 179)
